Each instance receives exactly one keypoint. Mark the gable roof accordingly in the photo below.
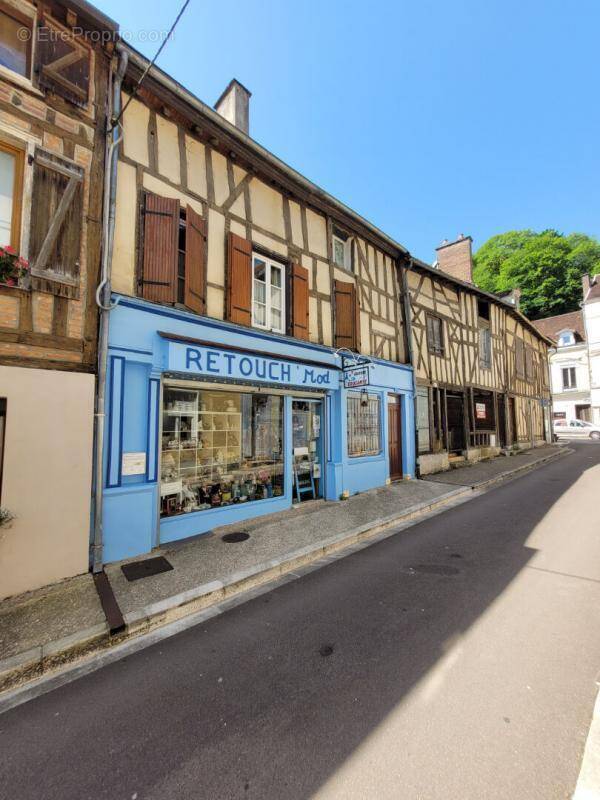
(552, 326)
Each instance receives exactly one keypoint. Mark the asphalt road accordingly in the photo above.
(458, 659)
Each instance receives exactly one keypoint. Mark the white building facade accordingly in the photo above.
(591, 316)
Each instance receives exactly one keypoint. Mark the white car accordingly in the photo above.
(576, 428)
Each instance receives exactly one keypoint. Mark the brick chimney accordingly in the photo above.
(456, 258)
(234, 105)
(586, 284)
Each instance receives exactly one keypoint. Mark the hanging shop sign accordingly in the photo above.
(355, 377)
(220, 363)
(480, 411)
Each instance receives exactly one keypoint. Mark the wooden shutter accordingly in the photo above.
(161, 232)
(239, 280)
(62, 62)
(195, 261)
(347, 315)
(299, 303)
(56, 216)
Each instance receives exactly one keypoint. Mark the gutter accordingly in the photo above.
(103, 293)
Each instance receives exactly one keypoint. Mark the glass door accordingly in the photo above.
(307, 449)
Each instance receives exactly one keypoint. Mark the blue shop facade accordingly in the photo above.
(210, 423)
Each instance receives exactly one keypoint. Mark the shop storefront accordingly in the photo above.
(209, 423)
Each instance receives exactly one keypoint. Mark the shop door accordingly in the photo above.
(502, 420)
(456, 422)
(307, 444)
(513, 420)
(395, 436)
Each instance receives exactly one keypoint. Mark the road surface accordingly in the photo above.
(456, 660)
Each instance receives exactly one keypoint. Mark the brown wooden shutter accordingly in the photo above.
(56, 215)
(161, 232)
(62, 62)
(347, 316)
(239, 280)
(299, 304)
(195, 261)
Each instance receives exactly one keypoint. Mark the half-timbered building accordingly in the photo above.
(257, 351)
(54, 69)
(481, 367)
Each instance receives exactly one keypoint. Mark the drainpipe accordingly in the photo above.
(405, 265)
(103, 297)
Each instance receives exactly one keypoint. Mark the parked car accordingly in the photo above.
(576, 428)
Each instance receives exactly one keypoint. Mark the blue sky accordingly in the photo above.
(430, 119)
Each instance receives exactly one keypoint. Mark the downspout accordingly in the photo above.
(404, 266)
(103, 301)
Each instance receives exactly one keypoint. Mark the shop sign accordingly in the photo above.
(223, 364)
(355, 377)
(480, 411)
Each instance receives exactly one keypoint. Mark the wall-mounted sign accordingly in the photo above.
(221, 363)
(133, 464)
(355, 377)
(480, 411)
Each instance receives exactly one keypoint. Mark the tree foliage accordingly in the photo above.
(546, 266)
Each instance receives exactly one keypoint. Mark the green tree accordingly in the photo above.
(546, 266)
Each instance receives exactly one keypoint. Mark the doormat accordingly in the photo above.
(235, 537)
(143, 569)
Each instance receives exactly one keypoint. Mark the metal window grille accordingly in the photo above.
(364, 425)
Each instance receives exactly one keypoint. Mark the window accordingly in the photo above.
(2, 437)
(569, 378)
(520, 358)
(483, 410)
(435, 335)
(11, 187)
(268, 294)
(342, 249)
(423, 420)
(566, 338)
(219, 448)
(483, 309)
(485, 347)
(15, 43)
(364, 424)
(529, 364)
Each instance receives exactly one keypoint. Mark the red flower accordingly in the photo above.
(23, 262)
(10, 250)
(11, 282)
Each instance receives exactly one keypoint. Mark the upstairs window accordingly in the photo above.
(342, 249)
(435, 335)
(483, 309)
(11, 188)
(268, 294)
(569, 378)
(566, 338)
(15, 42)
(485, 347)
(520, 358)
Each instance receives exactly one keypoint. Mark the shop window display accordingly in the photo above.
(219, 448)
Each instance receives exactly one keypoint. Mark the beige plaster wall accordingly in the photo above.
(123, 260)
(135, 131)
(168, 149)
(47, 476)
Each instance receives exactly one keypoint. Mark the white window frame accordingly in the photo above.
(571, 337)
(269, 264)
(568, 386)
(347, 245)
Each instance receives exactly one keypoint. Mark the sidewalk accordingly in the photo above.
(41, 630)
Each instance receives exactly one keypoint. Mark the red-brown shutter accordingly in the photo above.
(195, 261)
(299, 304)
(347, 316)
(239, 280)
(161, 233)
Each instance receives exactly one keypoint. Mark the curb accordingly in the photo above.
(41, 662)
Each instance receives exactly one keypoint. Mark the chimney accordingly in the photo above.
(234, 105)
(586, 284)
(456, 258)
